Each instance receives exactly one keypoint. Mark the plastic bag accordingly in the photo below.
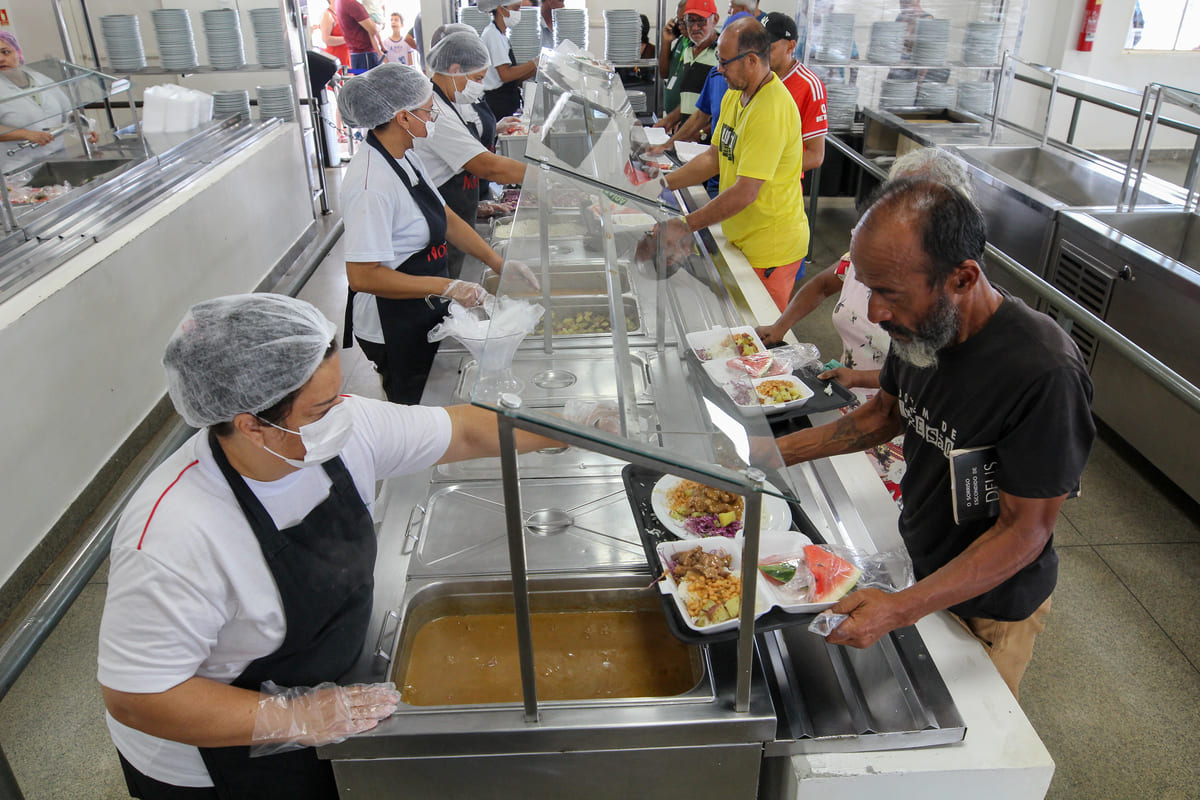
(502, 316)
(777, 361)
(824, 623)
(790, 575)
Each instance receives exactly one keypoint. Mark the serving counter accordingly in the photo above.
(556, 531)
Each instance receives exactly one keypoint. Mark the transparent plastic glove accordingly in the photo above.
(591, 414)
(522, 272)
(466, 293)
(301, 716)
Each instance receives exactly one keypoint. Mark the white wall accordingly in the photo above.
(80, 350)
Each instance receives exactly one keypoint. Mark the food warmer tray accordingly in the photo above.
(639, 483)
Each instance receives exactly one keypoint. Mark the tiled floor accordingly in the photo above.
(1114, 689)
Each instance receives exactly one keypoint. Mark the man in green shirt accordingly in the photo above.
(670, 57)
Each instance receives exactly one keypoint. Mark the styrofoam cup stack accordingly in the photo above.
(834, 39)
(622, 35)
(931, 42)
(223, 35)
(976, 96)
(887, 43)
(276, 102)
(841, 103)
(176, 42)
(270, 40)
(570, 23)
(123, 40)
(981, 44)
(231, 103)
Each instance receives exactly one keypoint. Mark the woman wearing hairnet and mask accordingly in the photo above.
(461, 154)
(504, 76)
(397, 227)
(241, 575)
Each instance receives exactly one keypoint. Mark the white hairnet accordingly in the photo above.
(465, 49)
(373, 98)
(443, 31)
(488, 6)
(243, 354)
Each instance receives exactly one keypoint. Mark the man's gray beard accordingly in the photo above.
(935, 332)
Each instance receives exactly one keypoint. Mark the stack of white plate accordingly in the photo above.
(475, 18)
(976, 96)
(223, 34)
(897, 94)
(887, 43)
(981, 43)
(622, 35)
(841, 101)
(123, 40)
(269, 38)
(525, 36)
(931, 42)
(834, 37)
(176, 45)
(571, 23)
(230, 103)
(935, 95)
(637, 100)
(276, 101)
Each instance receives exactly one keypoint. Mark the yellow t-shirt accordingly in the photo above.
(763, 141)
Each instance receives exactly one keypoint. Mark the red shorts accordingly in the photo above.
(780, 281)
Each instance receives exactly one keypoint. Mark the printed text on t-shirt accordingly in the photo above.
(939, 434)
(728, 142)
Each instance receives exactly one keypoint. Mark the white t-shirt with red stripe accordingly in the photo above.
(189, 592)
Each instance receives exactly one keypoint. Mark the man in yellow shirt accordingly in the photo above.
(758, 152)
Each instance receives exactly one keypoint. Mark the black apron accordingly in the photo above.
(506, 98)
(323, 567)
(406, 323)
(462, 192)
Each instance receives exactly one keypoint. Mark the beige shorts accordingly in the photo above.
(1009, 644)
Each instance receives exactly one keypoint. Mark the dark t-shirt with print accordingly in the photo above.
(1018, 385)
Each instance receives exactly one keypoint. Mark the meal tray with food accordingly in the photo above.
(639, 486)
(772, 394)
(725, 343)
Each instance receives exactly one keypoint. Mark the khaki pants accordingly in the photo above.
(1009, 644)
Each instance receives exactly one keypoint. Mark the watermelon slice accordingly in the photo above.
(757, 365)
(832, 577)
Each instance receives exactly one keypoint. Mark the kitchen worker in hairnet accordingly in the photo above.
(461, 154)
(241, 573)
(397, 228)
(504, 76)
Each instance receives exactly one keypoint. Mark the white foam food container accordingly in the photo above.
(771, 543)
(739, 389)
(712, 344)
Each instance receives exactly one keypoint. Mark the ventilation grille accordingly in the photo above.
(1086, 282)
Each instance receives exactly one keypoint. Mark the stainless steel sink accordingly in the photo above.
(76, 172)
(1175, 234)
(1069, 181)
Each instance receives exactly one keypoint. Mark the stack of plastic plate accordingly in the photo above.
(176, 45)
(223, 34)
(622, 35)
(931, 42)
(269, 39)
(525, 36)
(887, 43)
(123, 39)
(897, 94)
(230, 103)
(637, 100)
(475, 18)
(981, 44)
(935, 95)
(976, 96)
(571, 23)
(834, 37)
(276, 101)
(841, 101)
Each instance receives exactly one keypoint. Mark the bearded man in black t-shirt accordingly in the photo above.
(969, 367)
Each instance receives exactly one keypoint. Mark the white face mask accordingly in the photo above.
(470, 95)
(322, 439)
(429, 126)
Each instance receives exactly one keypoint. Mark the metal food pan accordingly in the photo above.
(562, 226)
(569, 374)
(567, 309)
(571, 280)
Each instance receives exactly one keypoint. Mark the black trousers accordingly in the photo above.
(147, 788)
(399, 385)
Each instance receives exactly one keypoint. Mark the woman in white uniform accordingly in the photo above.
(461, 155)
(30, 119)
(502, 84)
(397, 228)
(241, 575)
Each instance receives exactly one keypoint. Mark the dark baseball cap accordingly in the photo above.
(780, 26)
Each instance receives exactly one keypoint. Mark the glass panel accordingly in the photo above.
(46, 91)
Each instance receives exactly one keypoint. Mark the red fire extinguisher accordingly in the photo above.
(1091, 18)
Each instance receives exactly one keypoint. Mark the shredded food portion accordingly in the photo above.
(706, 578)
(691, 499)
